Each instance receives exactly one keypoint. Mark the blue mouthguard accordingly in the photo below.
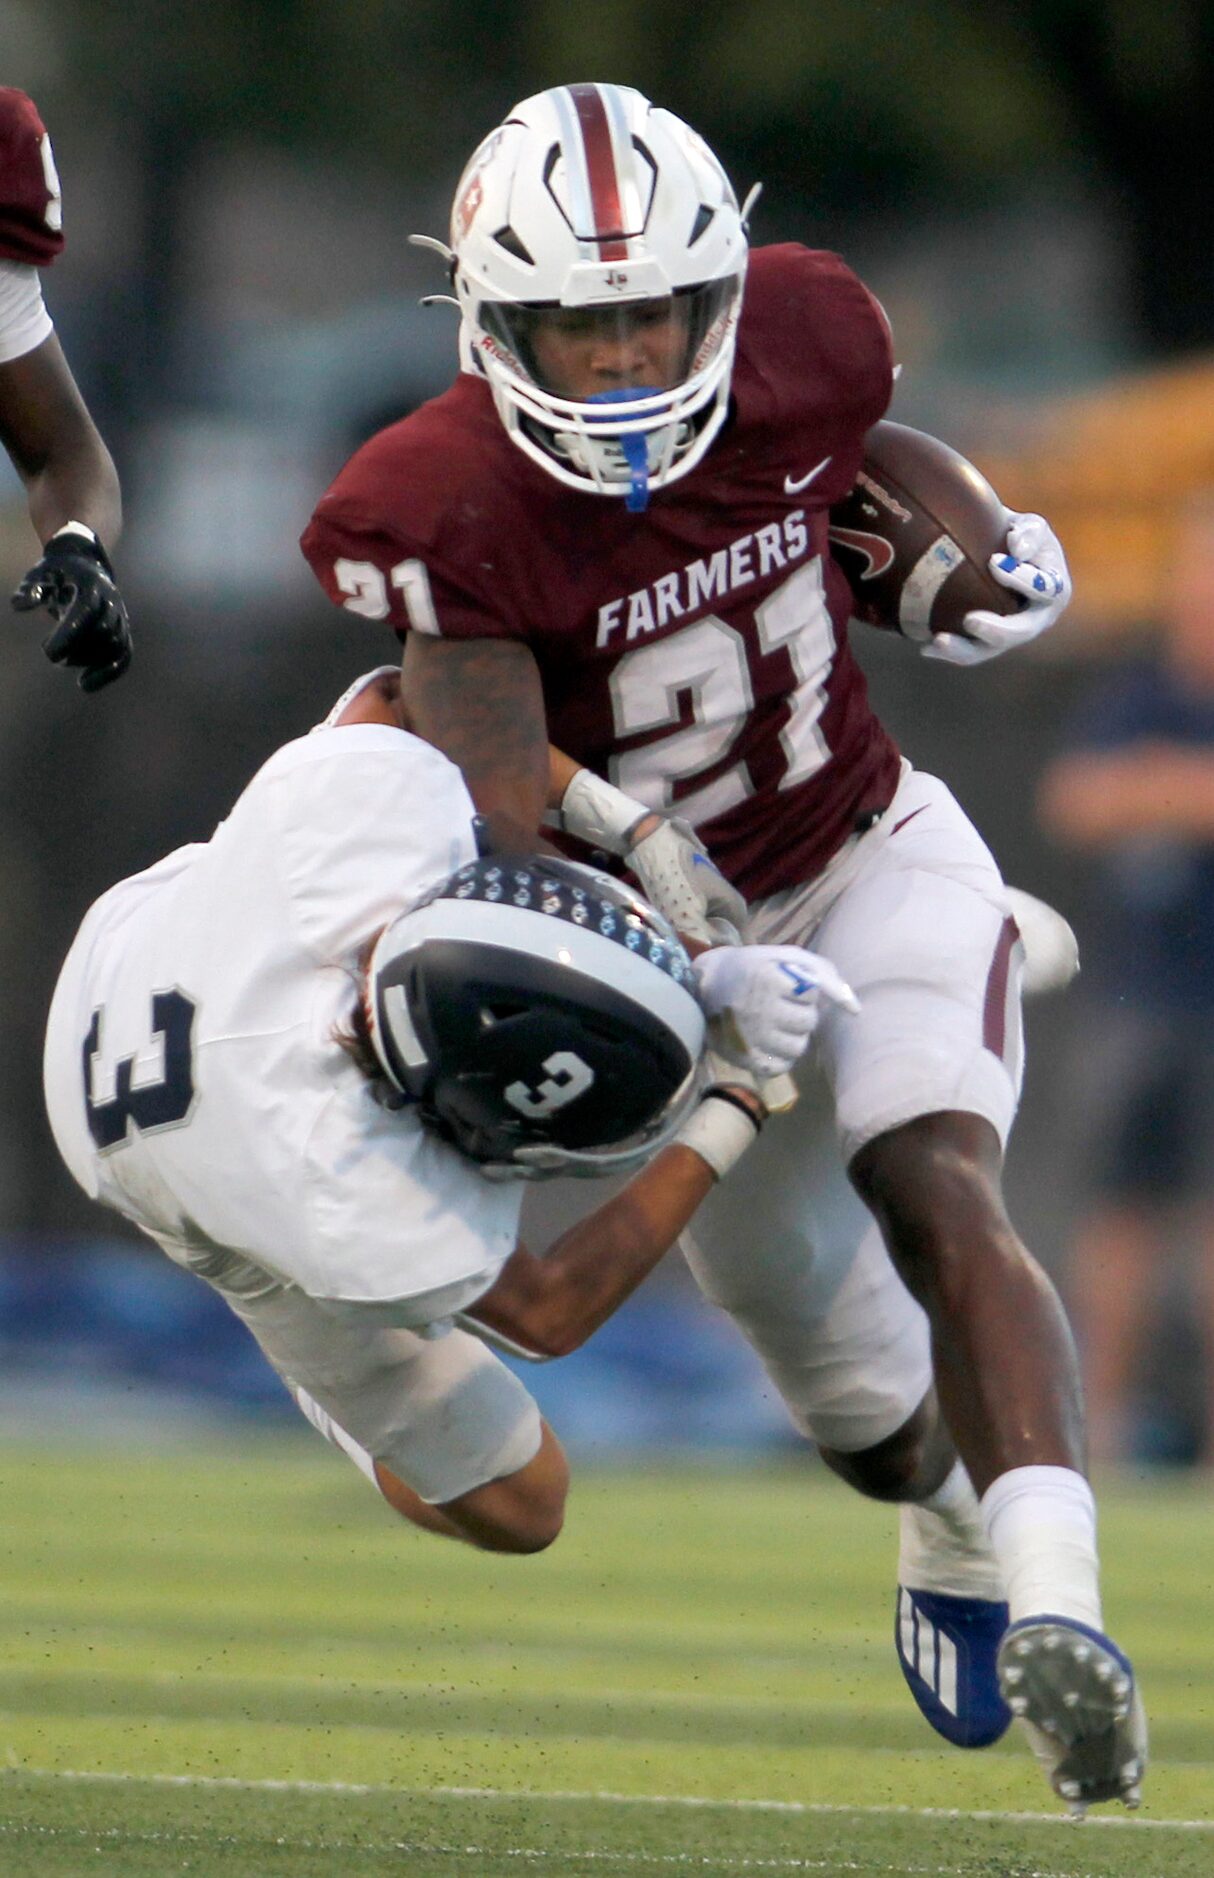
(633, 444)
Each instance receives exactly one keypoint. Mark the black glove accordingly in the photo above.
(74, 584)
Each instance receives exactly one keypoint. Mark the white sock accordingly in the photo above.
(955, 1499)
(943, 1544)
(1041, 1522)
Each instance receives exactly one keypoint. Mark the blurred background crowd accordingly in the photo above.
(1024, 193)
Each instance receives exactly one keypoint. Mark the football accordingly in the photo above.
(916, 534)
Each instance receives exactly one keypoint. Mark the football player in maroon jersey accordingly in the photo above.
(611, 531)
(74, 499)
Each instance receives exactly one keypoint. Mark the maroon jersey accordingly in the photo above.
(30, 210)
(696, 652)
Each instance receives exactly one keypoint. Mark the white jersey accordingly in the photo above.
(193, 1077)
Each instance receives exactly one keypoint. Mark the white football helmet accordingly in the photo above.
(591, 210)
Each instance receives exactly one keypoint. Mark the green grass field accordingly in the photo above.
(244, 1665)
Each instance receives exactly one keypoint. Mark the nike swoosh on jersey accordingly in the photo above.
(793, 483)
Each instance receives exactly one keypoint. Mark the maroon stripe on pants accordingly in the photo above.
(601, 173)
(994, 1006)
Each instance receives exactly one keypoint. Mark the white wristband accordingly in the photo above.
(599, 813)
(719, 1131)
(77, 528)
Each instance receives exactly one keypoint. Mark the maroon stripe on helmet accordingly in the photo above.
(994, 1007)
(601, 173)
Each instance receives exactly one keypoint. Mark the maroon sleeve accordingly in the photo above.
(816, 346)
(406, 534)
(31, 214)
(381, 575)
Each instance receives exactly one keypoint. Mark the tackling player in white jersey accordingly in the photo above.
(313, 1056)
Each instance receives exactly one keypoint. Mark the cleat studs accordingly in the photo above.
(1132, 1797)
(1121, 1686)
(1013, 1675)
(1069, 1789)
(1104, 1671)
(1130, 1773)
(1071, 1699)
(1019, 1704)
(1052, 1641)
(1082, 1652)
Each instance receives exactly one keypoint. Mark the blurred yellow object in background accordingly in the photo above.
(1114, 470)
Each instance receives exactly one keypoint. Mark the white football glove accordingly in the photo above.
(671, 863)
(765, 1002)
(1033, 565)
(677, 875)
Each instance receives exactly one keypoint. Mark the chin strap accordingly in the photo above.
(636, 455)
(633, 444)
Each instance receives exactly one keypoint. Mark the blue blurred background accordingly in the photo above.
(1025, 194)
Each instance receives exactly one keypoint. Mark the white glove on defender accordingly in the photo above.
(678, 877)
(769, 1001)
(671, 864)
(1032, 565)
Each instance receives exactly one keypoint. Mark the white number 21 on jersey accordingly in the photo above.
(707, 662)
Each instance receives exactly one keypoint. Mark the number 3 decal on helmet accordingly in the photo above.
(599, 257)
(568, 1078)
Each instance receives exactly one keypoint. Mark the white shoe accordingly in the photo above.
(1075, 1695)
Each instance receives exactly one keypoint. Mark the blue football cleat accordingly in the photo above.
(1074, 1693)
(948, 1647)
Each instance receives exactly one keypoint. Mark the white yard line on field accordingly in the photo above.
(113, 1836)
(809, 1808)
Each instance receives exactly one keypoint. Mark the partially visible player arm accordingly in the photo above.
(71, 483)
(480, 702)
(679, 877)
(75, 505)
(55, 446)
(546, 1307)
(669, 860)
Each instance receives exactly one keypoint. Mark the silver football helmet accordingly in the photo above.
(591, 216)
(544, 1018)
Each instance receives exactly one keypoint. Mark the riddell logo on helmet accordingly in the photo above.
(714, 338)
(485, 342)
